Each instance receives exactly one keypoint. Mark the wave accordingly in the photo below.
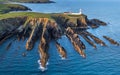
(41, 67)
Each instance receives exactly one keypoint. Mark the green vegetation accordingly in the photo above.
(20, 14)
(27, 1)
(5, 8)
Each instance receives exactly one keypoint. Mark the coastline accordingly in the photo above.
(71, 25)
(32, 1)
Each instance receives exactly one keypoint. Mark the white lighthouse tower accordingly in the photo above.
(80, 12)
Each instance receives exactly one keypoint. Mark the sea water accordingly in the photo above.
(100, 61)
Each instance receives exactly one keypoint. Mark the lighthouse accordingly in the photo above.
(80, 11)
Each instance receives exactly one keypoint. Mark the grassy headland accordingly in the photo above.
(28, 1)
(5, 8)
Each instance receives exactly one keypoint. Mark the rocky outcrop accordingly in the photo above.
(36, 32)
(44, 44)
(88, 36)
(82, 21)
(9, 27)
(96, 39)
(48, 29)
(77, 43)
(88, 40)
(95, 23)
(111, 40)
(61, 50)
(54, 29)
(63, 22)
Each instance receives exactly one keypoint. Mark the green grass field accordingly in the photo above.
(31, 1)
(20, 14)
(5, 12)
(5, 8)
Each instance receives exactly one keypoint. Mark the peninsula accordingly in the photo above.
(28, 1)
(46, 27)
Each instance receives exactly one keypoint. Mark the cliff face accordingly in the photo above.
(82, 21)
(46, 30)
(9, 26)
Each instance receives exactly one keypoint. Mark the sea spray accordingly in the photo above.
(41, 67)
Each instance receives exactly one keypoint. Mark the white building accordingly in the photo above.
(79, 13)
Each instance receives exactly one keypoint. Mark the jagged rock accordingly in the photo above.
(61, 50)
(44, 45)
(94, 23)
(34, 34)
(54, 29)
(96, 39)
(88, 40)
(111, 40)
(9, 27)
(49, 29)
(77, 43)
(82, 21)
(8, 46)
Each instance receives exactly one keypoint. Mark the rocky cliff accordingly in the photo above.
(45, 29)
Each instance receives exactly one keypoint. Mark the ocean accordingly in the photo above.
(100, 61)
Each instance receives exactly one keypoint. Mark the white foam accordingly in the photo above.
(41, 67)
(47, 63)
(60, 55)
(39, 62)
(63, 58)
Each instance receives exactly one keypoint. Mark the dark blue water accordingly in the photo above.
(103, 61)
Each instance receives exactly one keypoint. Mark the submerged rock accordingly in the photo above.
(88, 40)
(61, 50)
(111, 40)
(96, 39)
(8, 46)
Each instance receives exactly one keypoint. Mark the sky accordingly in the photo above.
(102, 0)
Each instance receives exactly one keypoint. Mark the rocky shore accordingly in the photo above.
(47, 29)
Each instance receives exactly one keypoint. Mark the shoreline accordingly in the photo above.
(46, 27)
(1, 2)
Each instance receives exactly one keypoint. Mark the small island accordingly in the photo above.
(48, 27)
(27, 1)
